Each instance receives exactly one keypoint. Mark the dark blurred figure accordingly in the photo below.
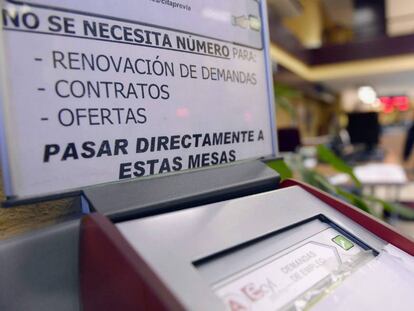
(289, 139)
(409, 142)
(364, 129)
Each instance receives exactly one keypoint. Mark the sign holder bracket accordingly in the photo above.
(122, 201)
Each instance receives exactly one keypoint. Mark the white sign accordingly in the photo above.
(98, 91)
(369, 288)
(276, 281)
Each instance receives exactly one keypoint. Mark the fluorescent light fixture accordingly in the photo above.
(367, 95)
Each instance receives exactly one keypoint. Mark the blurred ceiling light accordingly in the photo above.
(367, 95)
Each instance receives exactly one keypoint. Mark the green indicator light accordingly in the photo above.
(343, 242)
(255, 23)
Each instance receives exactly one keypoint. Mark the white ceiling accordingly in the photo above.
(399, 14)
(400, 20)
(400, 17)
(401, 83)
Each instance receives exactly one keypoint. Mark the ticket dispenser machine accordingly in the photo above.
(294, 248)
(181, 92)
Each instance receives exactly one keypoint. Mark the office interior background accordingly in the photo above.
(344, 80)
